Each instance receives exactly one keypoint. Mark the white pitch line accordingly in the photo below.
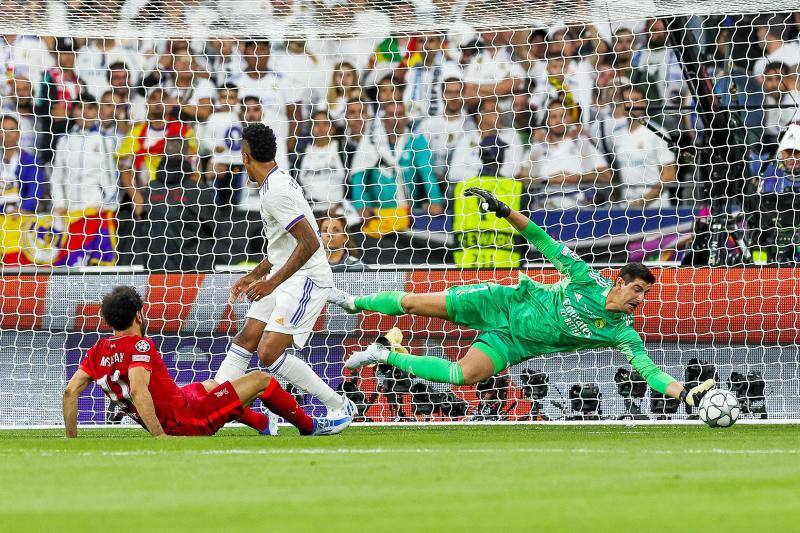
(379, 451)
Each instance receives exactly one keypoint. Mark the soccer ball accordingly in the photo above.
(719, 408)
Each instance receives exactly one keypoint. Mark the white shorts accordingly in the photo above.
(292, 309)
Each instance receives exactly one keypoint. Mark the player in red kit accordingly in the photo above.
(132, 374)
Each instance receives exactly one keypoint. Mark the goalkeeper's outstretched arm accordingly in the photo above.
(557, 253)
(632, 346)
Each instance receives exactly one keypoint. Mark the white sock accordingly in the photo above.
(234, 365)
(299, 373)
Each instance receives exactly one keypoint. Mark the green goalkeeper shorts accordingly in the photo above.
(484, 307)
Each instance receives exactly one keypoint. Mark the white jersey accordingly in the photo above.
(282, 206)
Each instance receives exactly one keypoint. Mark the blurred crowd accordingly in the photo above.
(147, 132)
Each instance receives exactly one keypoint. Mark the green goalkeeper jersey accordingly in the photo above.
(562, 317)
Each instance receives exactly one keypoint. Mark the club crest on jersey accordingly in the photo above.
(142, 346)
(599, 323)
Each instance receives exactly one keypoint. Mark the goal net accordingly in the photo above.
(648, 132)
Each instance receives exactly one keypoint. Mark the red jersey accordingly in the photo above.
(108, 363)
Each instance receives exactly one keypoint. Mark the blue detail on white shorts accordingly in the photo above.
(301, 308)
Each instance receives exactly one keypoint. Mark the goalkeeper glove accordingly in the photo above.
(692, 398)
(489, 202)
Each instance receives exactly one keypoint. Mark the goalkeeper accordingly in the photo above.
(581, 312)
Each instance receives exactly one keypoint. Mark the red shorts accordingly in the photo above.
(206, 412)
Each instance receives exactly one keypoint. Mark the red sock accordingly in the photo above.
(254, 419)
(283, 404)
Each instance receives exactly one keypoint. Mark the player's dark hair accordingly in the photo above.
(119, 307)
(633, 271)
(261, 140)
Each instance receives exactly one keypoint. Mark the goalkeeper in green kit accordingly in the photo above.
(583, 311)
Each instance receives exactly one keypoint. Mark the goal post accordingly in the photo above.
(658, 132)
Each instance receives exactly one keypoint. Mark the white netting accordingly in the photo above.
(629, 137)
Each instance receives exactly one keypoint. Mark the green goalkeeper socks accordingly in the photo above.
(430, 368)
(387, 302)
(427, 367)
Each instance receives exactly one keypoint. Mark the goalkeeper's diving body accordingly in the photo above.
(519, 322)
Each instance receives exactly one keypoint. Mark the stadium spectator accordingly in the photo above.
(393, 167)
(492, 148)
(642, 162)
(95, 58)
(492, 73)
(281, 108)
(782, 174)
(608, 83)
(534, 51)
(113, 118)
(83, 185)
(320, 167)
(776, 49)
(20, 102)
(622, 45)
(252, 113)
(22, 176)
(224, 60)
(180, 227)
(239, 235)
(781, 99)
(252, 110)
(223, 143)
(446, 129)
(773, 217)
(468, 49)
(545, 44)
(339, 247)
(566, 163)
(306, 73)
(562, 75)
(129, 102)
(559, 83)
(142, 149)
(357, 124)
(388, 89)
(25, 55)
(655, 65)
(84, 171)
(159, 66)
(192, 90)
(344, 87)
(60, 88)
(586, 40)
(423, 79)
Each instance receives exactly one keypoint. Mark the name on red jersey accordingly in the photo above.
(109, 360)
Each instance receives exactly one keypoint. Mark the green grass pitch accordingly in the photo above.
(470, 478)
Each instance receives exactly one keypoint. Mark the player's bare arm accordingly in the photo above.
(307, 244)
(77, 383)
(143, 401)
(241, 285)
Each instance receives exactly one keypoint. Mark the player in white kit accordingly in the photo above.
(285, 304)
